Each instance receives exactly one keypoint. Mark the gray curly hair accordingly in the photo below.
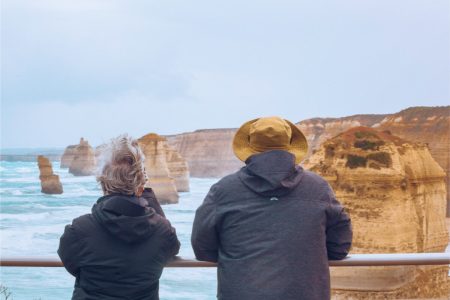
(121, 167)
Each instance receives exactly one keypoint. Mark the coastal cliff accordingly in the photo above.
(154, 148)
(318, 130)
(208, 152)
(50, 183)
(395, 193)
(430, 125)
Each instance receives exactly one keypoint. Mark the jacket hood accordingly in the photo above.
(126, 217)
(271, 173)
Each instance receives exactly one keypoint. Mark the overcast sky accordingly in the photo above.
(98, 68)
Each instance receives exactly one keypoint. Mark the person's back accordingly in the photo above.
(119, 250)
(272, 228)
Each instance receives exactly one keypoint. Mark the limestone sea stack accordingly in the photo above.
(50, 183)
(154, 148)
(83, 163)
(178, 169)
(67, 157)
(395, 193)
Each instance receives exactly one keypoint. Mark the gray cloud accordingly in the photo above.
(200, 64)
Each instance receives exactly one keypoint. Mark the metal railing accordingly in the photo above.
(354, 260)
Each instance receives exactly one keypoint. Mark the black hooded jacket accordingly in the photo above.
(119, 250)
(271, 227)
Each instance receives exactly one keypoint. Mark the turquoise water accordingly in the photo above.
(31, 224)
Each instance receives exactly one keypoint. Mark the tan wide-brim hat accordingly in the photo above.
(270, 133)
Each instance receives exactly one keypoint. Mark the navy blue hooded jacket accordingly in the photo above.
(272, 227)
(119, 250)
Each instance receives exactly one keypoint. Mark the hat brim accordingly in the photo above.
(242, 149)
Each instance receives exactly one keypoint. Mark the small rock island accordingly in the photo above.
(50, 183)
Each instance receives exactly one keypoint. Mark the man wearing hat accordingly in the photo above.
(271, 226)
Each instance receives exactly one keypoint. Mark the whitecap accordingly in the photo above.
(25, 170)
(20, 191)
(20, 179)
(24, 217)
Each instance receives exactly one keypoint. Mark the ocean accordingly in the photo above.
(31, 224)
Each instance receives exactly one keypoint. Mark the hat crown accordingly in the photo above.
(270, 133)
(266, 134)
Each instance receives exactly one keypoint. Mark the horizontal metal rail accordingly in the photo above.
(354, 260)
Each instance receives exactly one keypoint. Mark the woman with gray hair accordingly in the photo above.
(118, 251)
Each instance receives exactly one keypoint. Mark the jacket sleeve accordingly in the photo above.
(204, 238)
(69, 248)
(172, 245)
(150, 197)
(339, 229)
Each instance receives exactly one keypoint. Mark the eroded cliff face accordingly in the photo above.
(430, 125)
(318, 130)
(395, 194)
(208, 152)
(50, 183)
(154, 148)
(83, 162)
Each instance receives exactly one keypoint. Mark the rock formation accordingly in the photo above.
(50, 183)
(208, 152)
(154, 148)
(448, 227)
(68, 156)
(318, 130)
(83, 162)
(430, 125)
(395, 194)
(178, 169)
